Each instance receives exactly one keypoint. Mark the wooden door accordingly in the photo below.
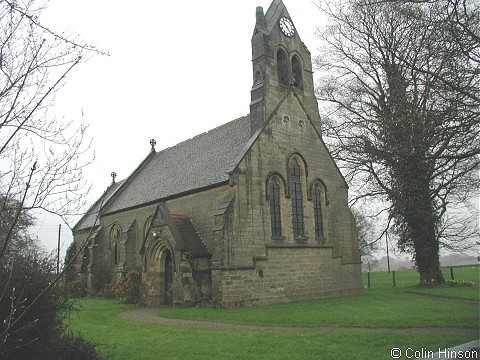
(168, 279)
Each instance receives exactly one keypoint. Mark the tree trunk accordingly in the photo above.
(416, 207)
(422, 229)
(427, 260)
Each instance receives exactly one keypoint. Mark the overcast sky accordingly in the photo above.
(176, 69)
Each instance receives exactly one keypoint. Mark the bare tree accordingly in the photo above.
(21, 240)
(402, 81)
(367, 242)
(41, 157)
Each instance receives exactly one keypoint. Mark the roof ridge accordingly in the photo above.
(228, 123)
(217, 128)
(197, 233)
(129, 179)
(100, 203)
(196, 163)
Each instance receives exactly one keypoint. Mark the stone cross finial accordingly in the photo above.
(153, 143)
(113, 175)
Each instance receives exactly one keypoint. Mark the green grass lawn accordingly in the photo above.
(409, 278)
(383, 307)
(406, 280)
(374, 308)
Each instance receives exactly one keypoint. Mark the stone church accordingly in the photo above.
(252, 212)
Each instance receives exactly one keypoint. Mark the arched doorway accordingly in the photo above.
(159, 272)
(168, 280)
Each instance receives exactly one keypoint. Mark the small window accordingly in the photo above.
(297, 198)
(274, 198)
(85, 259)
(258, 77)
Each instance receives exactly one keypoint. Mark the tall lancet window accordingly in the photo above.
(274, 198)
(115, 235)
(282, 67)
(297, 77)
(297, 198)
(317, 210)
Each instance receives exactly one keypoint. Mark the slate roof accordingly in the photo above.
(200, 162)
(191, 239)
(88, 220)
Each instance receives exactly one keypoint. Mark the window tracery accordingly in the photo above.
(318, 200)
(275, 209)
(295, 179)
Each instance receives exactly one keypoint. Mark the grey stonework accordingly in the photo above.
(195, 219)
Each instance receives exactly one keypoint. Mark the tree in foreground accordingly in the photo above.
(41, 162)
(400, 82)
(33, 305)
(41, 157)
(35, 329)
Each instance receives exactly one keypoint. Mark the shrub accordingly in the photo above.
(78, 287)
(449, 283)
(32, 310)
(127, 288)
(74, 347)
(31, 318)
(108, 291)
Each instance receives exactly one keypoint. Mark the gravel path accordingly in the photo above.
(151, 315)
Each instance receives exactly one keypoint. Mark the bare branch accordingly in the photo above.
(20, 208)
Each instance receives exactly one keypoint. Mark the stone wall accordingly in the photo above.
(286, 274)
(290, 133)
(201, 208)
(263, 269)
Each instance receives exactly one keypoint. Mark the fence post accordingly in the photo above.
(451, 273)
(368, 279)
(394, 283)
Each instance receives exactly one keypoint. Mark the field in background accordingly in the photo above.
(400, 312)
(408, 279)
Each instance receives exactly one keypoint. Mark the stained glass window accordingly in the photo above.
(274, 197)
(317, 209)
(297, 199)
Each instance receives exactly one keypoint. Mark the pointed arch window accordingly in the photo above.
(317, 199)
(296, 195)
(275, 215)
(115, 236)
(85, 259)
(115, 253)
(297, 77)
(282, 67)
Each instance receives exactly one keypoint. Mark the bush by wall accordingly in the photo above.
(32, 310)
(77, 287)
(73, 347)
(127, 288)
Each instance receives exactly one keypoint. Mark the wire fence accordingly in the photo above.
(411, 277)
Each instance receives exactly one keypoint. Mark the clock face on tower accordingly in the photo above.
(286, 26)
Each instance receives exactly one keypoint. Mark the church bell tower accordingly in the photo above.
(282, 66)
